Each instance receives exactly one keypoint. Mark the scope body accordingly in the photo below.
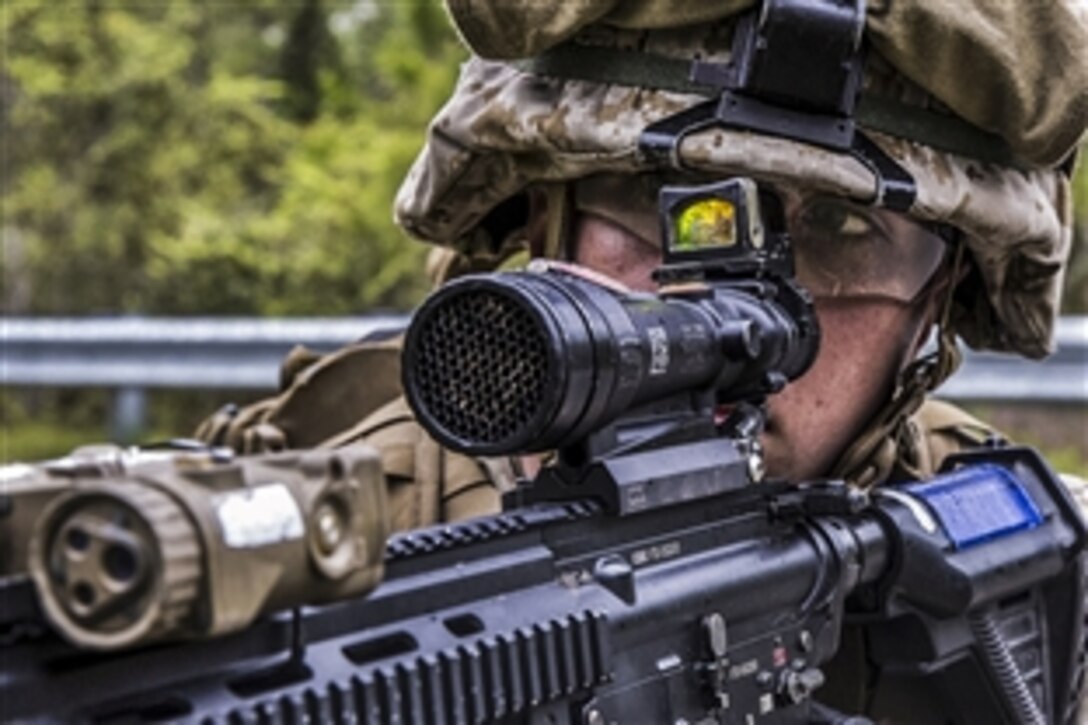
(532, 361)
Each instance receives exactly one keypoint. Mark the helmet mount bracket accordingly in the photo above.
(794, 72)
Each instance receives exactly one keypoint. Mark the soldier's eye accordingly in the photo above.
(825, 219)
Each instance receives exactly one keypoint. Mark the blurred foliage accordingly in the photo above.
(204, 157)
(48, 423)
(1076, 281)
(198, 157)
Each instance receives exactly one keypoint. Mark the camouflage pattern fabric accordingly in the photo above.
(506, 130)
(1017, 69)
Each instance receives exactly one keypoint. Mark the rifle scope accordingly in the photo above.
(520, 362)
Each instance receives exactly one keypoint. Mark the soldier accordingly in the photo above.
(950, 208)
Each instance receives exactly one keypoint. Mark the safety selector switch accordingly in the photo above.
(795, 686)
(716, 670)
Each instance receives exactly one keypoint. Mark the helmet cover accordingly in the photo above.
(1018, 72)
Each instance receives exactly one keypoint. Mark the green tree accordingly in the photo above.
(214, 158)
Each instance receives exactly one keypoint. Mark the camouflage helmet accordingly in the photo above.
(981, 102)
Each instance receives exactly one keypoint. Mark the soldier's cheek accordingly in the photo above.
(816, 417)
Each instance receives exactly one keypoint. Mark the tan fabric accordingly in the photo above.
(427, 484)
(322, 395)
(935, 432)
(352, 396)
(1017, 68)
(228, 426)
(444, 264)
(501, 29)
(919, 443)
(505, 130)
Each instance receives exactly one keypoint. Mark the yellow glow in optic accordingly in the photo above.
(706, 224)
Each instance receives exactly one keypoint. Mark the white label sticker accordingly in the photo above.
(258, 516)
(15, 471)
(669, 662)
(659, 350)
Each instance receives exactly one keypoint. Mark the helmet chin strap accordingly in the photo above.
(874, 453)
(559, 213)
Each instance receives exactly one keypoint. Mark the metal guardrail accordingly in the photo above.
(1060, 378)
(133, 354)
(195, 353)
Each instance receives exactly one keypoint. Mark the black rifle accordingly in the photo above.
(724, 607)
(649, 575)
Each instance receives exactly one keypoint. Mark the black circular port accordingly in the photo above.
(481, 368)
(83, 593)
(77, 539)
(119, 562)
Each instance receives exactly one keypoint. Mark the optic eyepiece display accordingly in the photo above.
(705, 221)
(532, 361)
